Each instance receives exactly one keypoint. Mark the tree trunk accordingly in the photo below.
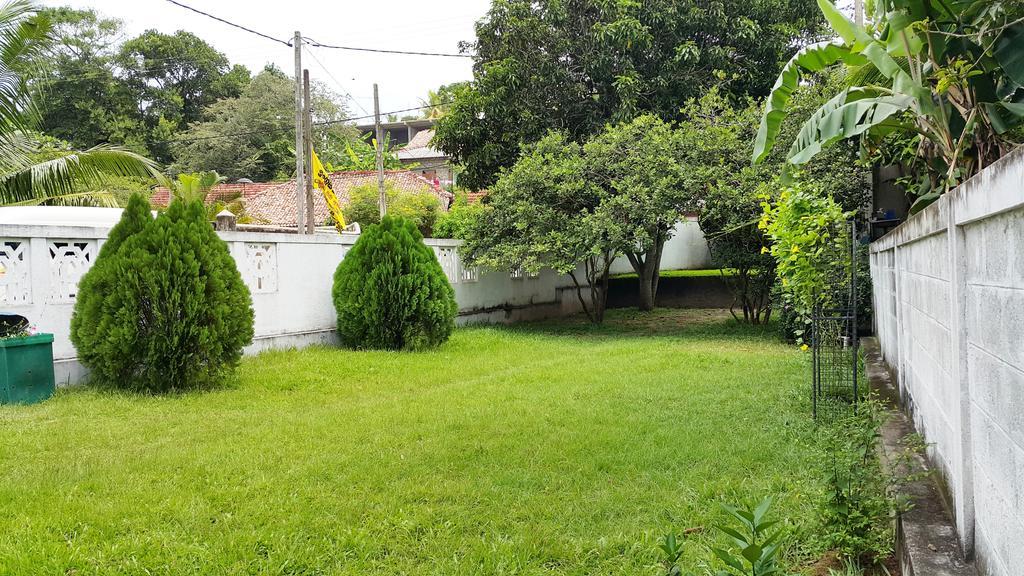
(595, 270)
(647, 266)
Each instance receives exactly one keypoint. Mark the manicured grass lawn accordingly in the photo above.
(547, 449)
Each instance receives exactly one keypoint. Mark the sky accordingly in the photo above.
(418, 25)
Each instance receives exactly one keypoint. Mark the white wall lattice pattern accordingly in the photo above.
(69, 260)
(290, 278)
(16, 283)
(261, 264)
(448, 258)
(470, 274)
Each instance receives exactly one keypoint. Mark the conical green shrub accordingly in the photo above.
(391, 293)
(97, 282)
(178, 314)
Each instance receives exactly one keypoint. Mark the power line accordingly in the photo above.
(383, 51)
(229, 23)
(274, 130)
(314, 42)
(331, 76)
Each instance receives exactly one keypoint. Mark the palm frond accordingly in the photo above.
(101, 198)
(24, 34)
(79, 172)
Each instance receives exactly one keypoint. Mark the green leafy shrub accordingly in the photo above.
(805, 227)
(860, 509)
(421, 208)
(391, 293)
(165, 307)
(458, 220)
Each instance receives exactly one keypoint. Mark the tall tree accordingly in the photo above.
(263, 115)
(544, 212)
(79, 97)
(175, 77)
(574, 65)
(637, 165)
(24, 178)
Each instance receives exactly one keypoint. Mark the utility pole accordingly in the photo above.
(307, 139)
(382, 200)
(858, 12)
(300, 173)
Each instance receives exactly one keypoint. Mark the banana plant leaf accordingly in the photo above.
(1009, 51)
(850, 113)
(813, 58)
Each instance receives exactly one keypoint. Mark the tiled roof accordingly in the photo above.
(420, 140)
(276, 204)
(162, 196)
(419, 147)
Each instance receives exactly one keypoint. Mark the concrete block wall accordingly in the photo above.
(290, 277)
(949, 312)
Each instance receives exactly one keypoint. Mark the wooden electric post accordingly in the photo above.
(858, 12)
(307, 152)
(300, 175)
(382, 200)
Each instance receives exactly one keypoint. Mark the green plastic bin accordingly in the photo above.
(26, 369)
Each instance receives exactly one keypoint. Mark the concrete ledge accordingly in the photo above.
(926, 538)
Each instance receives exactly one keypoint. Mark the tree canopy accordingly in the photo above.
(171, 97)
(264, 114)
(574, 66)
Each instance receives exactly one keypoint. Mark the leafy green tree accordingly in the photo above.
(352, 153)
(29, 175)
(264, 114)
(80, 98)
(390, 291)
(174, 78)
(738, 246)
(437, 101)
(949, 73)
(636, 163)
(421, 208)
(173, 311)
(576, 65)
(716, 141)
(545, 212)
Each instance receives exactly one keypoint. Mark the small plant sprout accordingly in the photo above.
(758, 550)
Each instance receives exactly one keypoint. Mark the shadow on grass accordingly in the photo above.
(695, 323)
(95, 385)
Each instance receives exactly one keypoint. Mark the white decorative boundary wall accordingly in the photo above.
(949, 314)
(289, 275)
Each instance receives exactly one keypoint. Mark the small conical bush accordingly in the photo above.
(87, 320)
(390, 292)
(178, 314)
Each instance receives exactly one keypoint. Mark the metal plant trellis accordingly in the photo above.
(834, 340)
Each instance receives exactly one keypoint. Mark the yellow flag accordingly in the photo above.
(322, 182)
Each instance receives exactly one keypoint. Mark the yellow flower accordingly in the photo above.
(764, 249)
(794, 249)
(804, 347)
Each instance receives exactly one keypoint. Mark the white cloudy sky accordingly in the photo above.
(423, 25)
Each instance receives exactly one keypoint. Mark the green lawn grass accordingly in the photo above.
(554, 448)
